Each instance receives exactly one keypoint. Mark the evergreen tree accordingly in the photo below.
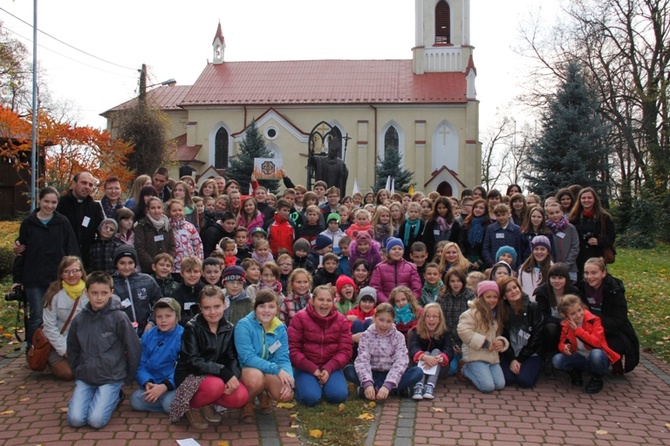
(571, 148)
(242, 166)
(392, 165)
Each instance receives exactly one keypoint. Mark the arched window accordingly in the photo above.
(442, 23)
(221, 149)
(391, 140)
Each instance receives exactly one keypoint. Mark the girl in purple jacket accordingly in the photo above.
(395, 271)
(381, 364)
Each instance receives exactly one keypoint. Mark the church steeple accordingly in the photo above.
(442, 31)
(218, 46)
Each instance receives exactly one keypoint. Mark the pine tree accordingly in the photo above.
(241, 167)
(571, 148)
(392, 165)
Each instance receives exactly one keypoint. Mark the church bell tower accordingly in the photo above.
(218, 46)
(442, 42)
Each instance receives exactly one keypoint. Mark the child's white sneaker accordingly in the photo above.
(418, 392)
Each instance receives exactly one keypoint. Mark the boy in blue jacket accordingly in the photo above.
(160, 349)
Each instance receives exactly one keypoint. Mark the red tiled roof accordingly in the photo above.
(164, 97)
(323, 82)
(185, 153)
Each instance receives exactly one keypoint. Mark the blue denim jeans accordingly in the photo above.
(34, 297)
(308, 391)
(485, 376)
(411, 376)
(137, 402)
(529, 374)
(93, 405)
(596, 363)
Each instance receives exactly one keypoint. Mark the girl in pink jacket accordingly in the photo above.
(395, 271)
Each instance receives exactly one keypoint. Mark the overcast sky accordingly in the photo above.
(174, 39)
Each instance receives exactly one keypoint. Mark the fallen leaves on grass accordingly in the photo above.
(291, 434)
(372, 404)
(316, 433)
(366, 416)
(288, 406)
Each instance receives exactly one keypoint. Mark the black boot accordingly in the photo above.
(595, 385)
(576, 378)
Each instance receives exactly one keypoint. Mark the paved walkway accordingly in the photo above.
(630, 410)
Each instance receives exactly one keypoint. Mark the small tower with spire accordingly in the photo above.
(218, 46)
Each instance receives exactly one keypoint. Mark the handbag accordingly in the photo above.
(38, 354)
(609, 255)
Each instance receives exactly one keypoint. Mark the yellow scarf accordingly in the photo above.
(74, 291)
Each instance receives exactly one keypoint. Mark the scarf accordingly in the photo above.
(557, 227)
(409, 224)
(476, 232)
(163, 223)
(442, 223)
(74, 291)
(276, 287)
(589, 214)
(433, 290)
(382, 232)
(403, 315)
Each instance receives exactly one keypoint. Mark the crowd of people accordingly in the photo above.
(210, 300)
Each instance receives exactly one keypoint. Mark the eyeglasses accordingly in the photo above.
(71, 272)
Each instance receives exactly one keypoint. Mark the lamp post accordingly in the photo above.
(143, 83)
(33, 154)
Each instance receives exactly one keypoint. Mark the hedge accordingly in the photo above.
(9, 230)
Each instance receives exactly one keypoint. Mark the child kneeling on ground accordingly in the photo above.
(103, 351)
(160, 350)
(582, 346)
(381, 364)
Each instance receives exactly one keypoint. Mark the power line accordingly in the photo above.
(68, 57)
(67, 44)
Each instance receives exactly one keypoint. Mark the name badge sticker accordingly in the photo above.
(560, 234)
(274, 347)
(436, 231)
(591, 300)
(86, 221)
(125, 303)
(158, 238)
(524, 334)
(500, 235)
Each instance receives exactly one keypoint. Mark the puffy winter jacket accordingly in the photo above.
(373, 256)
(381, 353)
(281, 235)
(319, 342)
(102, 346)
(387, 276)
(419, 346)
(207, 353)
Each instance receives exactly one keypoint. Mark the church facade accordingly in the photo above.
(425, 107)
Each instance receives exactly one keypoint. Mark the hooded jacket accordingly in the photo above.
(319, 342)
(206, 353)
(160, 350)
(373, 256)
(138, 293)
(102, 346)
(381, 353)
(388, 275)
(266, 351)
(281, 235)
(46, 245)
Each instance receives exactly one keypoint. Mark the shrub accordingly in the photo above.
(641, 231)
(9, 230)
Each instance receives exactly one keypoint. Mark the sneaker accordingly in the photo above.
(576, 378)
(418, 392)
(210, 414)
(265, 403)
(248, 415)
(595, 384)
(197, 420)
(429, 393)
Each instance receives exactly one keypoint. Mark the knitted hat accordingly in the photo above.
(362, 237)
(301, 245)
(322, 241)
(333, 216)
(168, 302)
(259, 230)
(506, 250)
(540, 240)
(368, 292)
(393, 242)
(125, 251)
(110, 221)
(232, 273)
(343, 280)
(487, 285)
(498, 266)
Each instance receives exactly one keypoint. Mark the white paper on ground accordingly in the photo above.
(188, 442)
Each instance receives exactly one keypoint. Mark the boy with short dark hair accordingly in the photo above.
(242, 242)
(224, 227)
(162, 266)
(281, 233)
(343, 266)
(328, 274)
(211, 271)
(320, 191)
(103, 351)
(418, 254)
(501, 233)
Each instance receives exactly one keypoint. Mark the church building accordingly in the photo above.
(425, 107)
